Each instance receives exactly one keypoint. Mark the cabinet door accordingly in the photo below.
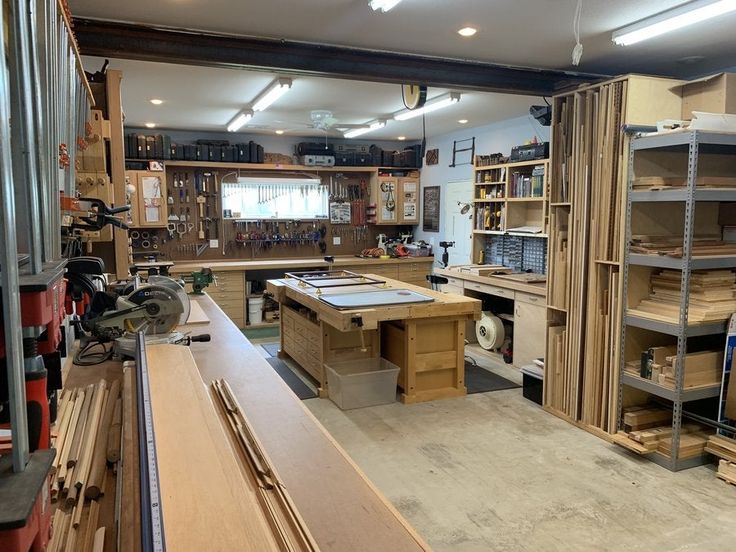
(387, 204)
(151, 195)
(529, 332)
(408, 200)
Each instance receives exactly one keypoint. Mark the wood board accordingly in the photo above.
(202, 488)
(196, 314)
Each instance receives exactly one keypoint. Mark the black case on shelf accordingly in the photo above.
(315, 148)
(243, 153)
(140, 147)
(202, 152)
(345, 159)
(229, 154)
(190, 152)
(150, 147)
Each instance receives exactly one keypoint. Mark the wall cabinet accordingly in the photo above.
(396, 200)
(148, 200)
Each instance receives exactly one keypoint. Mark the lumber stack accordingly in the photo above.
(668, 182)
(637, 418)
(727, 471)
(722, 447)
(704, 245)
(80, 468)
(712, 296)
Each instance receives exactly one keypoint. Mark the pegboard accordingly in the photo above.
(288, 239)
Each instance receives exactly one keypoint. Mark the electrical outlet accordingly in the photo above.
(214, 244)
(336, 240)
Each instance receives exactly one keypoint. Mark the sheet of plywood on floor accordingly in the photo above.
(206, 503)
(342, 509)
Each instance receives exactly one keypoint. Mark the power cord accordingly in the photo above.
(86, 357)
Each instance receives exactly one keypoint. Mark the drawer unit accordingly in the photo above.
(489, 289)
(302, 341)
(229, 281)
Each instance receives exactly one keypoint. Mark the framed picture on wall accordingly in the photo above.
(431, 209)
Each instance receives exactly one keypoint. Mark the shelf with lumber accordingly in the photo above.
(588, 181)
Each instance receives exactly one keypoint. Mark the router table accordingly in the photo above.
(369, 316)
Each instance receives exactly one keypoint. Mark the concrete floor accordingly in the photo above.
(494, 471)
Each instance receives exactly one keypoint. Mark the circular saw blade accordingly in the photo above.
(163, 309)
(180, 291)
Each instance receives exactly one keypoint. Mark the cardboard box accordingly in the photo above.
(713, 94)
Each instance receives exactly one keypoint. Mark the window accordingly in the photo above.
(277, 198)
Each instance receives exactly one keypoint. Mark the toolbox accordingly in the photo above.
(243, 153)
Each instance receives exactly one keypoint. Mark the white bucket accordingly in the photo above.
(255, 312)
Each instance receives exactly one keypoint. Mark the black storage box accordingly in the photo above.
(345, 159)
(314, 148)
(243, 153)
(190, 152)
(150, 147)
(533, 383)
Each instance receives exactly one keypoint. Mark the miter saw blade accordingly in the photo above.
(172, 284)
(162, 313)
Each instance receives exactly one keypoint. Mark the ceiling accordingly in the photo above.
(531, 33)
(207, 98)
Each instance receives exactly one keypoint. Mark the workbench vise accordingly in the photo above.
(200, 280)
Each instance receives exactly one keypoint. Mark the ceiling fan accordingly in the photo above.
(321, 120)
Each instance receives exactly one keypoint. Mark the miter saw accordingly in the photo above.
(155, 308)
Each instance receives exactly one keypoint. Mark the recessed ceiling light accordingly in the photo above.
(150, 125)
(463, 121)
(467, 31)
(279, 132)
(156, 101)
(402, 138)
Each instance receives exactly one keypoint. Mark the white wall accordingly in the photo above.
(495, 138)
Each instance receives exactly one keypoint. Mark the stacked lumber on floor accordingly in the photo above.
(663, 183)
(648, 429)
(712, 296)
(722, 447)
(727, 471)
(80, 468)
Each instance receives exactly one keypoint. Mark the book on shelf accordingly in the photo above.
(525, 185)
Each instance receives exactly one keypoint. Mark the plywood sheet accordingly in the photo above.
(207, 504)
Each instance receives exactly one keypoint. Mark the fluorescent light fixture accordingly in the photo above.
(156, 101)
(239, 120)
(463, 121)
(434, 104)
(671, 20)
(360, 131)
(275, 90)
(467, 31)
(383, 5)
(150, 125)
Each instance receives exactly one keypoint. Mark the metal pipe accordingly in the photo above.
(707, 421)
(9, 277)
(36, 46)
(25, 170)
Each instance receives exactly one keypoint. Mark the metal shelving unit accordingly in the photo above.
(690, 143)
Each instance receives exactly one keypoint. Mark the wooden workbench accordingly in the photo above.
(341, 507)
(426, 341)
(229, 292)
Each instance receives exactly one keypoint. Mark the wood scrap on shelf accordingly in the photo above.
(658, 364)
(641, 417)
(691, 445)
(712, 296)
(703, 245)
(664, 183)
